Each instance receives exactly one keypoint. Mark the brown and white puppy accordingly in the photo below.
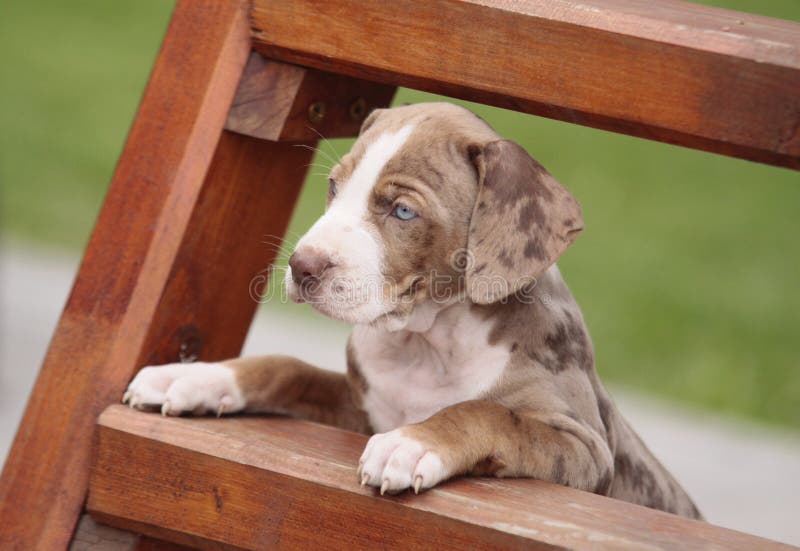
(468, 355)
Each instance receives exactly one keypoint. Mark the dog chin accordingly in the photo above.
(360, 314)
(364, 313)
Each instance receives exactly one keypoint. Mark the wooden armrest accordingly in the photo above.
(256, 482)
(678, 72)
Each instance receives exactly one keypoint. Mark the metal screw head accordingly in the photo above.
(358, 109)
(316, 112)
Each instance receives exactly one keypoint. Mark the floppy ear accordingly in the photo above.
(522, 221)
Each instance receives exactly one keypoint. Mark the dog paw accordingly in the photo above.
(197, 388)
(394, 461)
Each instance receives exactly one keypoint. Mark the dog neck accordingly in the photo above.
(420, 320)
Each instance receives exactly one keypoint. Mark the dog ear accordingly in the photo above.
(522, 221)
(371, 118)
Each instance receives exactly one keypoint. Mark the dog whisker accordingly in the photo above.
(328, 143)
(316, 150)
(319, 165)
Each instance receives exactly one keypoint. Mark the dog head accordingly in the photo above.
(429, 206)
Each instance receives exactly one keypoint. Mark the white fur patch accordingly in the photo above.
(395, 462)
(412, 375)
(176, 388)
(344, 234)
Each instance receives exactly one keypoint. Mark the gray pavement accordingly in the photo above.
(743, 475)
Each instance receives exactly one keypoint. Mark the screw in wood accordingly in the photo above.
(358, 109)
(316, 112)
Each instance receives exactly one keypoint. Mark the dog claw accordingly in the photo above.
(417, 484)
(384, 486)
(165, 408)
(364, 480)
(220, 410)
(126, 396)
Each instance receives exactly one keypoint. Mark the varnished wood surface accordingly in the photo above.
(167, 269)
(261, 482)
(166, 272)
(274, 102)
(678, 72)
(166, 155)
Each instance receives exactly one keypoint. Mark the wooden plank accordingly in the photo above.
(255, 483)
(313, 103)
(677, 72)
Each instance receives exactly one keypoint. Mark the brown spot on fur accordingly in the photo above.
(569, 346)
(354, 376)
(514, 164)
(559, 470)
(531, 213)
(505, 259)
(489, 466)
(605, 407)
(604, 484)
(641, 479)
(534, 249)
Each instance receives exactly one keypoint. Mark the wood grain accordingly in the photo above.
(255, 483)
(677, 72)
(166, 270)
(274, 99)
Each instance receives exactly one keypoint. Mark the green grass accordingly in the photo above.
(72, 74)
(687, 272)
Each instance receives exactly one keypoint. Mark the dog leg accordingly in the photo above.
(485, 438)
(259, 384)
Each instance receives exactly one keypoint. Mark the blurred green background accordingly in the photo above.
(687, 272)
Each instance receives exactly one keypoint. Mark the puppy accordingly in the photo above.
(468, 353)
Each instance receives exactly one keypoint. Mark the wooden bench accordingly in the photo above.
(210, 160)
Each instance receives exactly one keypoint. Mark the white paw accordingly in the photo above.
(394, 462)
(197, 387)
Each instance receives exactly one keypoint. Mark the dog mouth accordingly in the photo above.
(358, 301)
(343, 299)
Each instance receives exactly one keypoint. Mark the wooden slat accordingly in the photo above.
(672, 71)
(256, 483)
(277, 101)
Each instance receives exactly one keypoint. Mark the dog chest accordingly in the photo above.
(410, 376)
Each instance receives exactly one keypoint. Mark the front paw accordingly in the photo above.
(198, 388)
(395, 461)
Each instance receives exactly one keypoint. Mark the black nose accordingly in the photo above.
(308, 264)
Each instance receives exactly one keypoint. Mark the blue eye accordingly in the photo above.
(403, 212)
